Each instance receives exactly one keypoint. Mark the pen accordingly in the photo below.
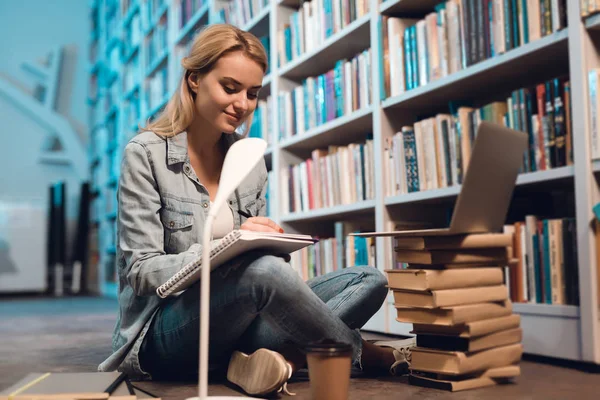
(244, 214)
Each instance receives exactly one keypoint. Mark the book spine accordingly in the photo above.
(516, 36)
(508, 12)
(472, 10)
(569, 137)
(529, 105)
(551, 149)
(547, 262)
(482, 23)
(530, 226)
(525, 24)
(559, 125)
(410, 154)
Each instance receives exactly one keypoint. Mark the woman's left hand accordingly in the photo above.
(261, 224)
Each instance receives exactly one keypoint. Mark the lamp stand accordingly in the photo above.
(204, 315)
(241, 157)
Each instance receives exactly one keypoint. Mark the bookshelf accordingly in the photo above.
(117, 94)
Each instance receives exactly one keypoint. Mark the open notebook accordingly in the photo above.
(232, 245)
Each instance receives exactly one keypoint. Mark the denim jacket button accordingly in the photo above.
(172, 224)
(205, 205)
(186, 168)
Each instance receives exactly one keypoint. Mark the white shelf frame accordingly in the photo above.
(341, 211)
(529, 178)
(570, 332)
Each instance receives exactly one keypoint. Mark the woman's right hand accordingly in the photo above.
(261, 224)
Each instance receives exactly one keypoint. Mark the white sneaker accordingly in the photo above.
(402, 353)
(260, 373)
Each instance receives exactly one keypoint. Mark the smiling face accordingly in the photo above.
(228, 94)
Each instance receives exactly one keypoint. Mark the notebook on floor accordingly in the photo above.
(72, 382)
(232, 245)
(484, 198)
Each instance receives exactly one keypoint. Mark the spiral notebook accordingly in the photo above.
(232, 245)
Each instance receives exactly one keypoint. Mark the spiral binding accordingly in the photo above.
(192, 267)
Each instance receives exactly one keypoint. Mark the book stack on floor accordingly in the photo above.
(452, 291)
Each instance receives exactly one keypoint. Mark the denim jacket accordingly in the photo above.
(161, 211)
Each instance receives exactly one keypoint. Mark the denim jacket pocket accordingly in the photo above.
(178, 226)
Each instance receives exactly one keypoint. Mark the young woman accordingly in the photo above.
(259, 305)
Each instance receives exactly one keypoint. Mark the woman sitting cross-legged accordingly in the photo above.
(261, 311)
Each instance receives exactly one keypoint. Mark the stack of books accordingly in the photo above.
(452, 290)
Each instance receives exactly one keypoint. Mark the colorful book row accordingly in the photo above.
(313, 23)
(434, 153)
(240, 12)
(546, 251)
(333, 254)
(338, 92)
(589, 7)
(186, 9)
(458, 34)
(261, 122)
(336, 176)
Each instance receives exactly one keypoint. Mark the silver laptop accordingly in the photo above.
(487, 188)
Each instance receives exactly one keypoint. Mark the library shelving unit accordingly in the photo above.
(135, 66)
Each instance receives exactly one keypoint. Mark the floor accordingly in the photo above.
(73, 335)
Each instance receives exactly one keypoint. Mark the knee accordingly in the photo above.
(269, 271)
(377, 283)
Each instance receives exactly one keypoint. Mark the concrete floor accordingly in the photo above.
(73, 335)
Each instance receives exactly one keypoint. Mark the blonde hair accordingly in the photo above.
(212, 43)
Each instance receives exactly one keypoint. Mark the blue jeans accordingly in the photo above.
(263, 303)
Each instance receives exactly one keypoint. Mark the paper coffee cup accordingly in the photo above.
(329, 365)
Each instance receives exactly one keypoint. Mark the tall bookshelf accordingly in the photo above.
(125, 98)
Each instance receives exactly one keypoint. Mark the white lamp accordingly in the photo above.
(240, 159)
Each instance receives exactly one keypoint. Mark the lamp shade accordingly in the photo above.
(241, 157)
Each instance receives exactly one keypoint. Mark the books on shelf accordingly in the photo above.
(185, 10)
(338, 175)
(156, 88)
(458, 34)
(261, 122)
(589, 7)
(332, 254)
(132, 34)
(434, 153)
(546, 268)
(131, 113)
(156, 42)
(240, 12)
(323, 98)
(313, 23)
(153, 10)
(269, 196)
(462, 316)
(131, 74)
(593, 82)
(266, 42)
